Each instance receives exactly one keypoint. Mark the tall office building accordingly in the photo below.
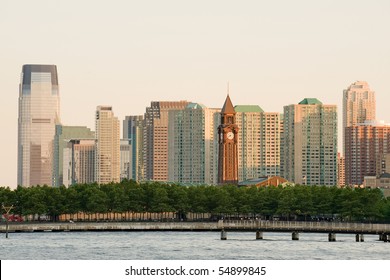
(107, 163)
(133, 129)
(39, 112)
(192, 145)
(359, 105)
(310, 143)
(79, 162)
(365, 145)
(156, 138)
(61, 138)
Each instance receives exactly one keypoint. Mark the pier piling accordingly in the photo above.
(359, 237)
(223, 235)
(332, 237)
(295, 235)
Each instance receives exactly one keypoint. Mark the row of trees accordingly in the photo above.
(291, 202)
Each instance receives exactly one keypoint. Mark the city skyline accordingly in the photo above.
(272, 56)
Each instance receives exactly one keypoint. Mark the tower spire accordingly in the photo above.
(228, 106)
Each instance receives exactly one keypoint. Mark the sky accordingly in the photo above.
(128, 53)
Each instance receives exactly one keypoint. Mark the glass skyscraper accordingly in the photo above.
(39, 112)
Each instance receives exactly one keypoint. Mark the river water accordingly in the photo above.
(187, 246)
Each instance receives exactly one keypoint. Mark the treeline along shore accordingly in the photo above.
(152, 201)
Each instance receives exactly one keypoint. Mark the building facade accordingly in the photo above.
(340, 170)
(192, 145)
(125, 155)
(359, 105)
(133, 129)
(271, 128)
(107, 162)
(228, 145)
(383, 163)
(61, 138)
(310, 143)
(156, 138)
(365, 146)
(39, 113)
(248, 120)
(79, 162)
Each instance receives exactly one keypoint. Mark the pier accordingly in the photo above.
(359, 230)
(296, 227)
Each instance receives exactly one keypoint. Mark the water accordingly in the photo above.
(187, 246)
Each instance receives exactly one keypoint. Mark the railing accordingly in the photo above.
(245, 225)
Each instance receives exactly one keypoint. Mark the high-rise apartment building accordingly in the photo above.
(107, 163)
(248, 120)
(156, 138)
(192, 145)
(365, 144)
(133, 129)
(258, 142)
(61, 138)
(271, 127)
(281, 144)
(79, 162)
(359, 105)
(310, 143)
(39, 112)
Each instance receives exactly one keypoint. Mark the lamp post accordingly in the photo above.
(7, 209)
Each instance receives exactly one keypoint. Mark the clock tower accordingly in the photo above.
(227, 140)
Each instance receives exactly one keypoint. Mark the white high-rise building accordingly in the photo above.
(39, 112)
(107, 163)
(359, 105)
(310, 143)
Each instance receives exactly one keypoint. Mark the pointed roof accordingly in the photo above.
(310, 101)
(228, 106)
(196, 106)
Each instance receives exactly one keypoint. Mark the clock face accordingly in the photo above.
(230, 135)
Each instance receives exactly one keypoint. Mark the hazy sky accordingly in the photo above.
(128, 53)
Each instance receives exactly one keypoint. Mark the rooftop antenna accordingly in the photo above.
(228, 88)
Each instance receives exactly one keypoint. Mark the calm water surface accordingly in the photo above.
(187, 245)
